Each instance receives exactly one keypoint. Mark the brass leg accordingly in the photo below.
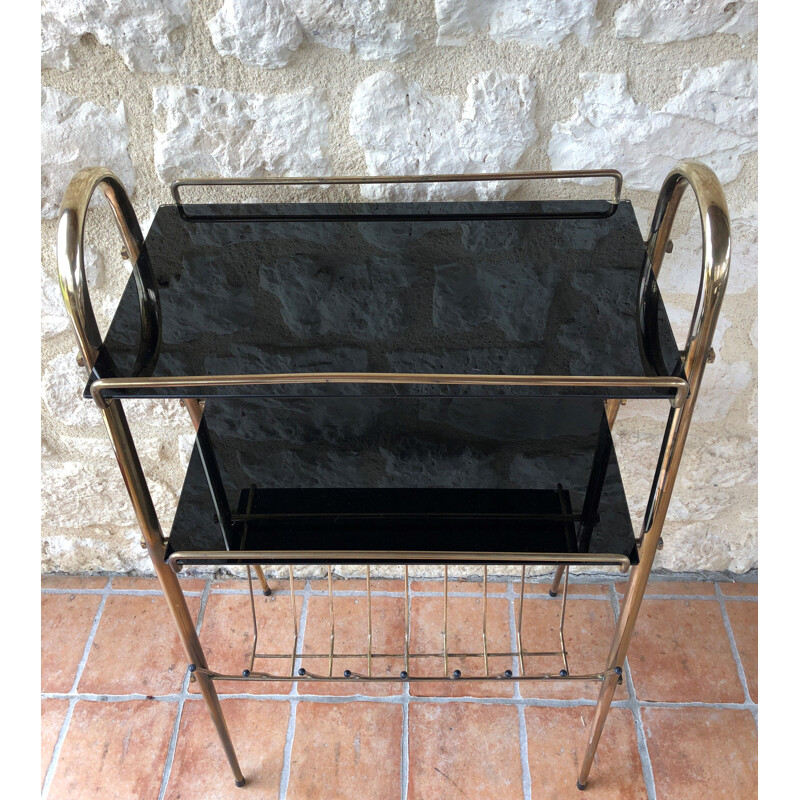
(557, 579)
(125, 451)
(669, 459)
(263, 581)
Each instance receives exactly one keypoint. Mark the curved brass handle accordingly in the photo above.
(72, 271)
(716, 233)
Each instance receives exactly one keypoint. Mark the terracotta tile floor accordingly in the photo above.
(120, 718)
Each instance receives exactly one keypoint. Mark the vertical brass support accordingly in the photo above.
(369, 624)
(557, 580)
(262, 580)
(485, 603)
(195, 409)
(561, 622)
(612, 409)
(294, 617)
(136, 484)
(330, 610)
(715, 227)
(519, 622)
(253, 613)
(407, 632)
(444, 643)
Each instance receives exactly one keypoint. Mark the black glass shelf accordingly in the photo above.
(524, 288)
(395, 476)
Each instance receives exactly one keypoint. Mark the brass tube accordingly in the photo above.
(665, 382)
(357, 180)
(253, 613)
(444, 643)
(485, 602)
(369, 624)
(519, 622)
(136, 484)
(330, 607)
(561, 621)
(407, 632)
(294, 618)
(715, 229)
(181, 557)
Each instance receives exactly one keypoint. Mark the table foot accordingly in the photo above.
(240, 783)
(581, 786)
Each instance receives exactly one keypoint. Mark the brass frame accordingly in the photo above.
(715, 225)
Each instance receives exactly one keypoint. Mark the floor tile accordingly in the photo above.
(136, 649)
(557, 740)
(654, 586)
(699, 753)
(66, 622)
(241, 585)
(744, 622)
(680, 652)
(462, 586)
(575, 587)
(227, 639)
(200, 770)
(114, 750)
(739, 589)
(134, 583)
(74, 582)
(588, 627)
(358, 585)
(460, 750)
(464, 635)
(53, 713)
(343, 751)
(351, 628)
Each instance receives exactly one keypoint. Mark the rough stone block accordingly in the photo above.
(406, 130)
(681, 270)
(265, 33)
(74, 135)
(543, 23)
(664, 21)
(53, 311)
(143, 33)
(221, 133)
(712, 119)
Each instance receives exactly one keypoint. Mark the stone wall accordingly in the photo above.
(163, 88)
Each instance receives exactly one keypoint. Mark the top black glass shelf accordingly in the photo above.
(521, 288)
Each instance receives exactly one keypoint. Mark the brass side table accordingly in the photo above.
(340, 361)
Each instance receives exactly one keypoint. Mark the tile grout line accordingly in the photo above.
(62, 734)
(173, 740)
(527, 791)
(294, 699)
(635, 707)
(735, 652)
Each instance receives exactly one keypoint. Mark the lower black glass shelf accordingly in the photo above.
(401, 480)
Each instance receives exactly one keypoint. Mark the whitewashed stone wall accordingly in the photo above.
(254, 87)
